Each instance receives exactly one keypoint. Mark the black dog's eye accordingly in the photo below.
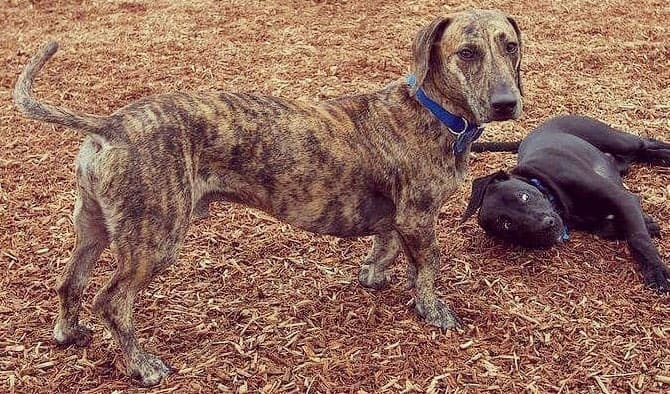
(467, 54)
(512, 48)
(505, 224)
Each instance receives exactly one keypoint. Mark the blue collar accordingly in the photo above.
(464, 132)
(540, 186)
(552, 199)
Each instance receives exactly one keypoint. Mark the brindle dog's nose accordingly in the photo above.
(503, 105)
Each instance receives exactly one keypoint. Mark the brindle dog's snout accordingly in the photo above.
(504, 103)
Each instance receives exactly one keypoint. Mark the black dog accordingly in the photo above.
(569, 176)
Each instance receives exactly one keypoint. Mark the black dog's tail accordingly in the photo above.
(496, 146)
(96, 126)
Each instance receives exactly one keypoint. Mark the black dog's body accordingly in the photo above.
(569, 175)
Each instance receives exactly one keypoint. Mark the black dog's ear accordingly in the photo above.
(479, 186)
(423, 48)
(518, 62)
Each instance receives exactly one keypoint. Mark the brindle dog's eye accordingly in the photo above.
(512, 47)
(466, 54)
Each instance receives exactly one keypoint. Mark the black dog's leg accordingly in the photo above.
(634, 225)
(654, 152)
(652, 226)
(609, 229)
(624, 146)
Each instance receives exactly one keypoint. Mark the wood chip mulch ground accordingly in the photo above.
(254, 305)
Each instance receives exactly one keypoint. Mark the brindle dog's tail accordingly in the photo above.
(95, 126)
(496, 147)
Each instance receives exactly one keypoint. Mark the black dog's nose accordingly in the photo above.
(503, 104)
(548, 221)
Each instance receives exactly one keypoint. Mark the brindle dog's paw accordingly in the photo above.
(657, 278)
(149, 370)
(438, 314)
(371, 277)
(78, 335)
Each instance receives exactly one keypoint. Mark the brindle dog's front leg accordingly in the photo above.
(417, 232)
(374, 271)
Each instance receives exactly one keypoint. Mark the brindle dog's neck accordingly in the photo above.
(422, 120)
(449, 103)
(408, 114)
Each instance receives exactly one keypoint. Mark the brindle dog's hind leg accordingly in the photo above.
(92, 239)
(143, 249)
(374, 271)
(114, 305)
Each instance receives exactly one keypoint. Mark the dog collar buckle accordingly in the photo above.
(465, 128)
(466, 137)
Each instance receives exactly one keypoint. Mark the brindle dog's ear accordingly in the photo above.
(518, 63)
(423, 49)
(479, 187)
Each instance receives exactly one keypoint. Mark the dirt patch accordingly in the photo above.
(255, 305)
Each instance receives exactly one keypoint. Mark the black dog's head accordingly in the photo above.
(514, 210)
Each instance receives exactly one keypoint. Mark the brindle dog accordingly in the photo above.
(373, 164)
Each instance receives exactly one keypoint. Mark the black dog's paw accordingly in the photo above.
(657, 278)
(652, 226)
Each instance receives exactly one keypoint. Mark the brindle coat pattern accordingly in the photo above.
(374, 164)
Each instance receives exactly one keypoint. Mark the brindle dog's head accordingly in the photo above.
(470, 62)
(515, 211)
